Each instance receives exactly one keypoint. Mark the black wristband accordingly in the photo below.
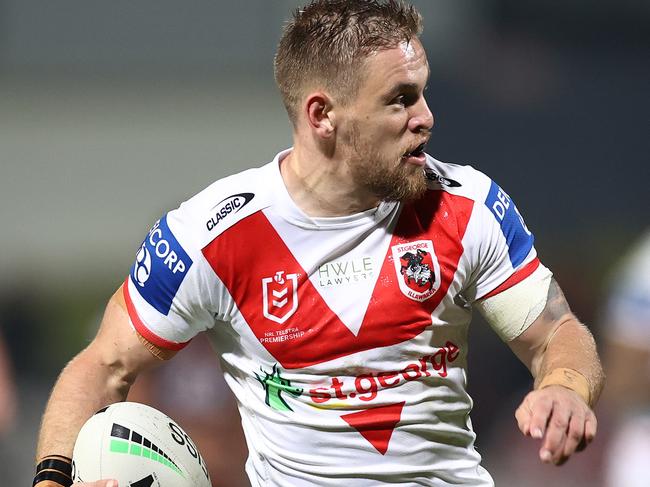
(54, 476)
(55, 463)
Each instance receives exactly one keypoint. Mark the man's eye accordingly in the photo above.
(404, 100)
(401, 100)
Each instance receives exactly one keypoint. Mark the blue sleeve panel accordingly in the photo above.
(519, 239)
(160, 266)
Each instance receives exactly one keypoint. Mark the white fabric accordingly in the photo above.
(343, 339)
(512, 311)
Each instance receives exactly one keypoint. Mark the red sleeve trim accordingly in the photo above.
(142, 329)
(517, 277)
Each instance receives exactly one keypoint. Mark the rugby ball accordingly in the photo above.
(139, 447)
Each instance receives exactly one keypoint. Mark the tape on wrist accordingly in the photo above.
(54, 468)
(55, 462)
(569, 378)
(53, 476)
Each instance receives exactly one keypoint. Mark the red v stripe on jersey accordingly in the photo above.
(252, 250)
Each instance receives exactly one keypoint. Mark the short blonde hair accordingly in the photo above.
(327, 42)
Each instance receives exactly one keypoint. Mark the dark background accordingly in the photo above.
(113, 112)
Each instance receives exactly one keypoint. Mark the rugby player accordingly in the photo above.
(336, 283)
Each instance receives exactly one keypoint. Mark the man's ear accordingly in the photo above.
(320, 115)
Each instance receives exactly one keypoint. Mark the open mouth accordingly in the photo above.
(417, 152)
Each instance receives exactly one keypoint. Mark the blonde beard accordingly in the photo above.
(389, 180)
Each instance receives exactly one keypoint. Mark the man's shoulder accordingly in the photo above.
(223, 203)
(461, 180)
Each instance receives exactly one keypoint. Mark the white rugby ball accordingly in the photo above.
(139, 447)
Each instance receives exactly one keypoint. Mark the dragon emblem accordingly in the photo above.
(274, 385)
(415, 270)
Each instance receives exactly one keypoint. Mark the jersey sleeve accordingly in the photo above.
(168, 293)
(500, 247)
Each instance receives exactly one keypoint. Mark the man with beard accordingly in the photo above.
(346, 372)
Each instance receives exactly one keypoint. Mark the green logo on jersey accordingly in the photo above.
(274, 385)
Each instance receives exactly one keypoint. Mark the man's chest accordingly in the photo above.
(311, 296)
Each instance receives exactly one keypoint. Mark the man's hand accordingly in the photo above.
(559, 416)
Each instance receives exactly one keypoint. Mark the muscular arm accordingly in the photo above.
(561, 354)
(99, 375)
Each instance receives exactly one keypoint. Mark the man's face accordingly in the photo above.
(384, 129)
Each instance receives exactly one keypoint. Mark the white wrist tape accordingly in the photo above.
(510, 312)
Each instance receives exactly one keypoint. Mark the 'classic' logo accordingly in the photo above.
(231, 204)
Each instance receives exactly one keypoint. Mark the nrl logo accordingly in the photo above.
(417, 268)
(280, 296)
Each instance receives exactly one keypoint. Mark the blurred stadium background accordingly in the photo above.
(113, 112)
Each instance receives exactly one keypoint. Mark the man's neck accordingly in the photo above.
(321, 186)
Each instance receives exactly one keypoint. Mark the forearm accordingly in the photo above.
(559, 350)
(100, 375)
(571, 347)
(561, 354)
(85, 385)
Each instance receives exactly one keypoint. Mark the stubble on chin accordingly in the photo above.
(389, 179)
(392, 181)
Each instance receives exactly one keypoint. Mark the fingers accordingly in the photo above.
(568, 434)
(561, 419)
(574, 437)
(523, 418)
(533, 415)
(591, 425)
(541, 410)
(556, 434)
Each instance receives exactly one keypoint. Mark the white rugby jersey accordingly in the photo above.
(344, 339)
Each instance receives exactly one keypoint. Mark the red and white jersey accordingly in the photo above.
(344, 339)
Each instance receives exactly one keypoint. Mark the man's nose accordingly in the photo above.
(422, 118)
